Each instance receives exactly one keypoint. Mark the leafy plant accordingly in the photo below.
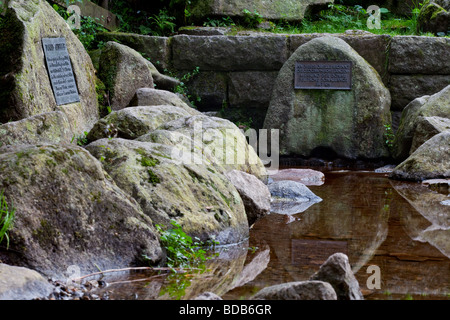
(389, 135)
(81, 139)
(182, 250)
(162, 23)
(182, 88)
(7, 215)
(251, 19)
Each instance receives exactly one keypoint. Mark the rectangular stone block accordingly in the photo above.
(211, 87)
(405, 88)
(229, 53)
(157, 49)
(419, 55)
(251, 89)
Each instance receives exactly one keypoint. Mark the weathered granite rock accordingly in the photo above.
(133, 122)
(221, 139)
(437, 105)
(405, 88)
(348, 122)
(426, 55)
(434, 17)
(254, 194)
(251, 89)
(70, 213)
(24, 81)
(123, 70)
(429, 161)
(157, 49)
(426, 128)
(198, 197)
(405, 132)
(290, 10)
(156, 97)
(50, 128)
(373, 48)
(338, 272)
(229, 53)
(17, 283)
(308, 177)
(291, 197)
(302, 290)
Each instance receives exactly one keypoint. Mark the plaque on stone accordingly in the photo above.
(335, 75)
(60, 71)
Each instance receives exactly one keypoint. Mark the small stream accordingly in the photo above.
(399, 227)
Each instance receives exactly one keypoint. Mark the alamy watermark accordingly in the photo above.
(374, 280)
(227, 146)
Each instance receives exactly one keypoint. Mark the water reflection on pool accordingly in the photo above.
(400, 227)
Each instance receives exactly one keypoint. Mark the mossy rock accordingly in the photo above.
(202, 201)
(342, 123)
(69, 212)
(25, 88)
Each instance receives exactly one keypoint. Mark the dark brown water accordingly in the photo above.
(401, 228)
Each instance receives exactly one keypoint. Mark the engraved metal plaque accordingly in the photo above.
(335, 75)
(60, 71)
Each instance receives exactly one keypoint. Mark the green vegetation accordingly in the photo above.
(182, 250)
(7, 215)
(389, 135)
(89, 28)
(81, 139)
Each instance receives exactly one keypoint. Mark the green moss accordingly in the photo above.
(153, 178)
(146, 160)
(11, 40)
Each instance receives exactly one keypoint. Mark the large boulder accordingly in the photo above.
(290, 10)
(338, 272)
(291, 197)
(409, 130)
(25, 88)
(434, 17)
(223, 140)
(347, 123)
(18, 283)
(197, 196)
(429, 161)
(156, 97)
(133, 122)
(301, 290)
(50, 127)
(254, 194)
(123, 70)
(70, 213)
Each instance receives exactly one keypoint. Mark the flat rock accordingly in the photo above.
(133, 122)
(308, 177)
(18, 283)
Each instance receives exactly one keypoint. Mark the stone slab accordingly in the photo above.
(229, 53)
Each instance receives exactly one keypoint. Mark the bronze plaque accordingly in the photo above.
(335, 75)
(60, 71)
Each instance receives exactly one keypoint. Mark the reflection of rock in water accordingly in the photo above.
(433, 223)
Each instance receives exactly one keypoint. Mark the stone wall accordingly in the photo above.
(237, 72)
